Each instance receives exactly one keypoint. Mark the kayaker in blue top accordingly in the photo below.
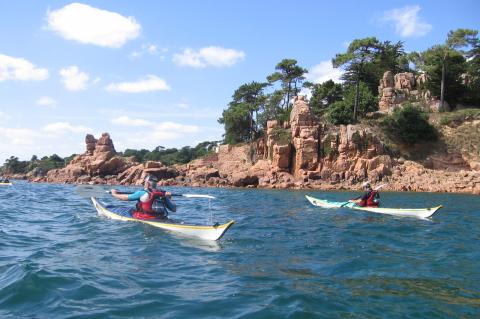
(370, 198)
(152, 203)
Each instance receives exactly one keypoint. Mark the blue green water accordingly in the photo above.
(282, 259)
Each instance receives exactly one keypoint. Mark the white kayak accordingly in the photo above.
(408, 212)
(204, 232)
(6, 184)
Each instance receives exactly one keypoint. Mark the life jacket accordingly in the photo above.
(372, 200)
(153, 208)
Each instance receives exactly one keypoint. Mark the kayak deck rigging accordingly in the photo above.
(405, 212)
(214, 232)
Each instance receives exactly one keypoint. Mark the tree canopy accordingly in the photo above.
(453, 65)
(446, 65)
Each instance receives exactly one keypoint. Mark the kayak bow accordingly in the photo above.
(203, 232)
(407, 212)
(6, 184)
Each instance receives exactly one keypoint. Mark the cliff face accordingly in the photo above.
(393, 90)
(306, 154)
(299, 154)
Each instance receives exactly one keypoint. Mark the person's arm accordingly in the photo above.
(361, 198)
(129, 197)
(116, 194)
(356, 199)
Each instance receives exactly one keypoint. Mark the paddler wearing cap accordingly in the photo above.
(371, 198)
(152, 203)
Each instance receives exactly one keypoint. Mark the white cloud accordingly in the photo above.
(148, 84)
(324, 71)
(208, 56)
(176, 127)
(46, 101)
(20, 69)
(125, 120)
(4, 116)
(65, 127)
(18, 136)
(183, 104)
(148, 48)
(74, 79)
(89, 25)
(165, 132)
(407, 22)
(24, 142)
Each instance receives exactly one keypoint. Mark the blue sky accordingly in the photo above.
(160, 72)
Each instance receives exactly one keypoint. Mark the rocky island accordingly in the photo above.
(313, 156)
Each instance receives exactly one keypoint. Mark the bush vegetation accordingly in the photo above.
(281, 136)
(409, 125)
(459, 116)
(171, 156)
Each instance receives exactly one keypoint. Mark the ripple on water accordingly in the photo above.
(282, 258)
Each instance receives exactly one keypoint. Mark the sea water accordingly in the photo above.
(283, 258)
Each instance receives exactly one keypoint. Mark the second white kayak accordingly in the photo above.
(407, 212)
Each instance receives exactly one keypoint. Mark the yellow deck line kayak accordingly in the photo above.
(203, 232)
(407, 212)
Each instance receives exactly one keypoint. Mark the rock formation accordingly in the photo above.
(300, 153)
(100, 164)
(305, 134)
(393, 90)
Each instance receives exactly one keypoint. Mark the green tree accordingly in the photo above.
(253, 97)
(340, 112)
(391, 57)
(445, 64)
(138, 155)
(236, 121)
(466, 42)
(241, 119)
(356, 61)
(324, 95)
(272, 108)
(444, 68)
(15, 166)
(473, 71)
(291, 77)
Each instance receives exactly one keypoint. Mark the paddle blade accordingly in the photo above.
(380, 186)
(198, 196)
(88, 191)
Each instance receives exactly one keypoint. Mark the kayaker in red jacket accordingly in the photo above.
(371, 198)
(152, 203)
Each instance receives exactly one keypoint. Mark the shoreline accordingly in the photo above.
(325, 188)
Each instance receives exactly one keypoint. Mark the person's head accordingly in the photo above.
(367, 186)
(150, 181)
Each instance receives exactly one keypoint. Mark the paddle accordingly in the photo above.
(97, 191)
(344, 204)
